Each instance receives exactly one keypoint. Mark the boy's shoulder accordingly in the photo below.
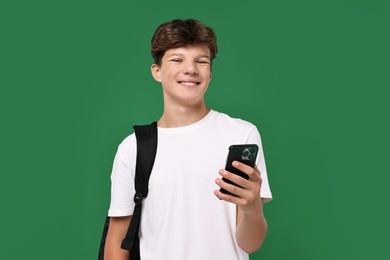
(228, 120)
(128, 145)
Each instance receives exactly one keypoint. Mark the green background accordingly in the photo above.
(312, 75)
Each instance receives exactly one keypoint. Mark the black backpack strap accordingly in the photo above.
(103, 240)
(146, 153)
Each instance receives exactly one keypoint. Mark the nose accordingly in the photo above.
(191, 69)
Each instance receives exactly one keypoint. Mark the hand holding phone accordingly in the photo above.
(244, 153)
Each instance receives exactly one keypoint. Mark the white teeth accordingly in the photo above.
(188, 83)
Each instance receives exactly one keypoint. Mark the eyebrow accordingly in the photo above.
(175, 54)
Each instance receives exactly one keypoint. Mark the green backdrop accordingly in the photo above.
(312, 75)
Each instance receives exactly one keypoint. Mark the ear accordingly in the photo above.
(156, 72)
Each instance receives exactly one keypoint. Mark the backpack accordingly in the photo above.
(146, 136)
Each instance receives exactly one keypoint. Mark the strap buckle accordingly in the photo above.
(138, 199)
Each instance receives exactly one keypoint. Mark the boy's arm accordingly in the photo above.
(251, 224)
(251, 230)
(116, 233)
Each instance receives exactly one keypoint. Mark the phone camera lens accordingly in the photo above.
(252, 150)
(245, 153)
(251, 157)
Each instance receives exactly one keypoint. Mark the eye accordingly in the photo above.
(203, 62)
(175, 60)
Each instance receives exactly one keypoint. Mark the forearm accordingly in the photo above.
(251, 230)
(113, 251)
(116, 232)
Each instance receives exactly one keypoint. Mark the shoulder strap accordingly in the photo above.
(146, 153)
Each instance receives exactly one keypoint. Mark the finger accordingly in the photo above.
(259, 173)
(257, 170)
(227, 197)
(237, 179)
(238, 191)
(247, 170)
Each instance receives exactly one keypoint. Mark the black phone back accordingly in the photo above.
(244, 153)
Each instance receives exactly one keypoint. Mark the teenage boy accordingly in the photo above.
(185, 216)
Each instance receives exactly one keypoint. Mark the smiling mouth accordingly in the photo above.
(188, 83)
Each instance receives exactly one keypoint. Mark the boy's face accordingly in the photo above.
(185, 74)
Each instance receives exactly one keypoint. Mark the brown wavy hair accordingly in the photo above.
(180, 33)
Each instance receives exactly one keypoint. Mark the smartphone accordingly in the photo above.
(244, 153)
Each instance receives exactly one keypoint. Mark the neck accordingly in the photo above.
(177, 116)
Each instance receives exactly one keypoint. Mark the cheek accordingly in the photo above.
(169, 79)
(168, 74)
(206, 71)
(208, 75)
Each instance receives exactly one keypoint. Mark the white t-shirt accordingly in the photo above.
(182, 219)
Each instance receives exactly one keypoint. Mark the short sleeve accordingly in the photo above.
(122, 180)
(265, 191)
